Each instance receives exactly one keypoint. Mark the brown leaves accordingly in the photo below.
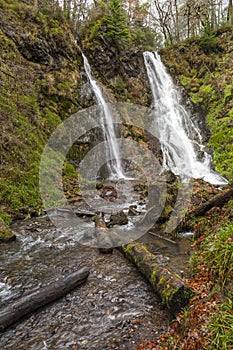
(190, 329)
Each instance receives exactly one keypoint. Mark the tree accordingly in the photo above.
(230, 12)
(117, 29)
(163, 9)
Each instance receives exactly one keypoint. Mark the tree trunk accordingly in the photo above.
(230, 12)
(217, 201)
(170, 288)
(41, 297)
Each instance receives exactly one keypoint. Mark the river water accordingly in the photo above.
(115, 309)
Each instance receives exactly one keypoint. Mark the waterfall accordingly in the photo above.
(114, 167)
(181, 142)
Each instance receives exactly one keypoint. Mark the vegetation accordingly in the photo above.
(116, 24)
(41, 85)
(221, 327)
(38, 82)
(109, 21)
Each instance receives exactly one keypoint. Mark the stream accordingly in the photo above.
(115, 309)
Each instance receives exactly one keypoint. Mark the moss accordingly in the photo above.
(38, 92)
(153, 276)
(162, 281)
(6, 234)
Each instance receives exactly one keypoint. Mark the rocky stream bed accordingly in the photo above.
(115, 309)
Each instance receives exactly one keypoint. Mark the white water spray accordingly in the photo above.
(115, 167)
(181, 141)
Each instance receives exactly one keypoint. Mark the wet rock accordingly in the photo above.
(106, 250)
(108, 193)
(6, 234)
(104, 242)
(118, 218)
(132, 211)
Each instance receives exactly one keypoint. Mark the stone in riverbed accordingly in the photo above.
(132, 211)
(118, 218)
(6, 234)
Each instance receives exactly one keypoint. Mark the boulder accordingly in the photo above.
(118, 218)
(6, 234)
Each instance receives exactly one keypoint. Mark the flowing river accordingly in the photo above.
(115, 309)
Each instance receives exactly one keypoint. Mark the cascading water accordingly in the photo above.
(181, 142)
(114, 167)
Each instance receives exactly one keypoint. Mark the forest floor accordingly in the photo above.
(207, 322)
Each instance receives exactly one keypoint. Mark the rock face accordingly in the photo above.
(124, 73)
(39, 39)
(43, 83)
(40, 74)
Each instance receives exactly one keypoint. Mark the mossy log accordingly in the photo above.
(170, 288)
(217, 201)
(40, 297)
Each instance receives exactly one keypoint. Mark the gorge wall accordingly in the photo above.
(43, 82)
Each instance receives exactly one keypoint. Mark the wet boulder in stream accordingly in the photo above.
(118, 218)
(6, 234)
(103, 239)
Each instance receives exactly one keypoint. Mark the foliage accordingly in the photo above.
(115, 22)
(108, 21)
(146, 36)
(208, 41)
(34, 99)
(219, 254)
(221, 327)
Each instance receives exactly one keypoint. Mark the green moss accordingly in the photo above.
(153, 276)
(162, 281)
(196, 98)
(33, 102)
(5, 233)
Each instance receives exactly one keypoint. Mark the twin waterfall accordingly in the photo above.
(115, 169)
(180, 139)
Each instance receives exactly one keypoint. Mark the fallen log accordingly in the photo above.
(170, 288)
(163, 238)
(41, 297)
(82, 213)
(217, 201)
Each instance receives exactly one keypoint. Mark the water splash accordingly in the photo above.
(115, 167)
(181, 142)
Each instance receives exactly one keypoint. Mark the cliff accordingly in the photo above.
(40, 79)
(42, 83)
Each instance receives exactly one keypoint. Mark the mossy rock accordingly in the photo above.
(6, 234)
